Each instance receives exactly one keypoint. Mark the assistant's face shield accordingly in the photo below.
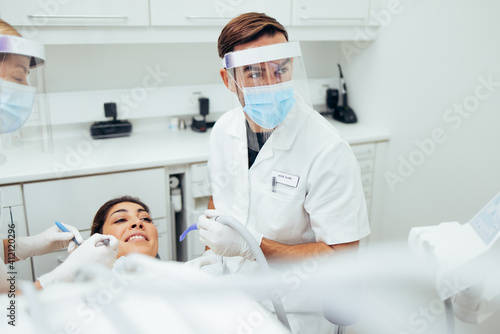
(22, 84)
(267, 81)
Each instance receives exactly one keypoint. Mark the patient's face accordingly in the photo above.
(133, 227)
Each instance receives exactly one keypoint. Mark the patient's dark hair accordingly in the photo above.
(102, 213)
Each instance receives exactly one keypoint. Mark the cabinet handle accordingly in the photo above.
(60, 260)
(307, 18)
(193, 17)
(114, 17)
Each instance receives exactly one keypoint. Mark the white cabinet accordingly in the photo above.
(197, 196)
(365, 154)
(55, 22)
(75, 12)
(330, 12)
(76, 200)
(217, 12)
(13, 207)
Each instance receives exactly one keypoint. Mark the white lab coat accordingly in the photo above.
(326, 205)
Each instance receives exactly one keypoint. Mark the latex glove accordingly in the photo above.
(90, 251)
(222, 239)
(208, 262)
(50, 240)
(208, 258)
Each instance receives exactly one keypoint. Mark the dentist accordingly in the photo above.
(276, 165)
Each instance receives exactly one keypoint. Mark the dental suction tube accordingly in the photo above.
(261, 261)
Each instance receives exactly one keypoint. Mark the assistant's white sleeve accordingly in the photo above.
(336, 203)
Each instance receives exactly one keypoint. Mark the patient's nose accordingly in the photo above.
(137, 225)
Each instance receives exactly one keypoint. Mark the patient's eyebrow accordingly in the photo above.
(126, 211)
(119, 210)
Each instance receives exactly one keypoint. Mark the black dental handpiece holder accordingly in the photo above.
(344, 113)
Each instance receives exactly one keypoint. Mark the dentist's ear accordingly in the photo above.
(228, 81)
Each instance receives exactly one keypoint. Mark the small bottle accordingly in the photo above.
(12, 139)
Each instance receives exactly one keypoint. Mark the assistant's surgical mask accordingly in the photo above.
(269, 105)
(16, 104)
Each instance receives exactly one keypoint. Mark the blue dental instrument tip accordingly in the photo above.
(189, 229)
(64, 229)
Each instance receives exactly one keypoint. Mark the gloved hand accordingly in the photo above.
(88, 252)
(206, 259)
(208, 262)
(50, 240)
(223, 240)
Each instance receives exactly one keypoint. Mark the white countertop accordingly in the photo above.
(81, 155)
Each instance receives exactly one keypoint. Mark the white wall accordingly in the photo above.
(122, 66)
(426, 59)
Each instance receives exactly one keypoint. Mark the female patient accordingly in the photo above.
(129, 220)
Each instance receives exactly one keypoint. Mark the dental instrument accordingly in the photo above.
(105, 242)
(189, 229)
(64, 229)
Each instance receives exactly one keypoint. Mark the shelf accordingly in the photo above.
(195, 34)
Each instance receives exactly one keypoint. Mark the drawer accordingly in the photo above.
(368, 191)
(11, 195)
(198, 180)
(23, 268)
(364, 151)
(76, 13)
(213, 13)
(366, 180)
(198, 172)
(366, 166)
(200, 189)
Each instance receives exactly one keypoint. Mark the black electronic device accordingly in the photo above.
(110, 129)
(344, 113)
(199, 122)
(332, 98)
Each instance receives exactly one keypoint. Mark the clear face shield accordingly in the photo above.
(270, 84)
(22, 89)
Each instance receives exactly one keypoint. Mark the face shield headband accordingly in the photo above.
(24, 47)
(266, 104)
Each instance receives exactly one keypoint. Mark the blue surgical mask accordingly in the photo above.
(16, 104)
(269, 105)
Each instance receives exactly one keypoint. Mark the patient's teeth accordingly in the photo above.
(136, 237)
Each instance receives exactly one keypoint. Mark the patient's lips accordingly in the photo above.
(136, 237)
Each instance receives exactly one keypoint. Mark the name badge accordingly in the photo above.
(287, 179)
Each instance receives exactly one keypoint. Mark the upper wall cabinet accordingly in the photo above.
(330, 12)
(214, 13)
(75, 12)
(189, 21)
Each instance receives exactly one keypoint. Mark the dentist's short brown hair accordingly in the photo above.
(246, 28)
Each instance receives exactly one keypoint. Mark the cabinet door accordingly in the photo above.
(12, 217)
(75, 12)
(213, 13)
(329, 12)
